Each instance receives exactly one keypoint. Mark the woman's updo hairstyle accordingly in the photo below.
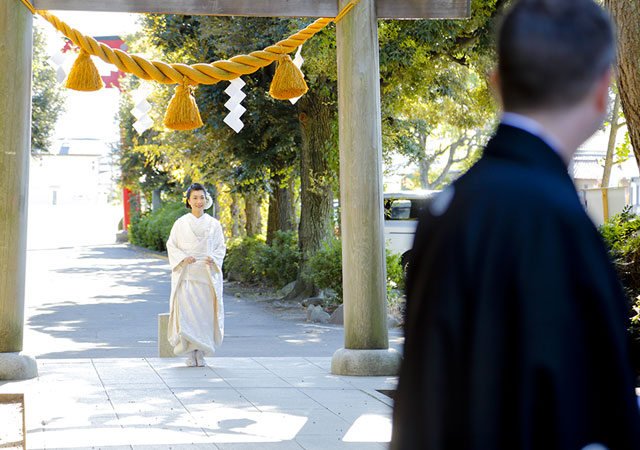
(197, 187)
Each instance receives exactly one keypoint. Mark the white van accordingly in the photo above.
(401, 213)
(402, 210)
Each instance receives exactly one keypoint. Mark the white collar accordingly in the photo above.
(532, 127)
(197, 218)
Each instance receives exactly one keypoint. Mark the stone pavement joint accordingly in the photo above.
(233, 403)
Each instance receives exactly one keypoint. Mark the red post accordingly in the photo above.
(126, 198)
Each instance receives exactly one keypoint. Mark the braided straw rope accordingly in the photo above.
(182, 73)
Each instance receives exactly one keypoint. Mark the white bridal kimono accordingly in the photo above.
(196, 320)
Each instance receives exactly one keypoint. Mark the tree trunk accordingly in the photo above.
(424, 166)
(611, 146)
(316, 196)
(272, 217)
(235, 215)
(315, 177)
(285, 200)
(156, 201)
(252, 212)
(293, 202)
(625, 14)
(216, 200)
(279, 207)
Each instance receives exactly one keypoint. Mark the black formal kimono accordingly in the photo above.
(516, 322)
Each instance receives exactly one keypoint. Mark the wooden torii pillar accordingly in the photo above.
(366, 350)
(15, 144)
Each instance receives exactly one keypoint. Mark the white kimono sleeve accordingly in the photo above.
(217, 247)
(176, 255)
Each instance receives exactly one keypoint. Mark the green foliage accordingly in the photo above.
(152, 229)
(434, 89)
(325, 270)
(624, 150)
(395, 273)
(621, 235)
(281, 259)
(250, 259)
(244, 257)
(432, 74)
(47, 100)
(268, 143)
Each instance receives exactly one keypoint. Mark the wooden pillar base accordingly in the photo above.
(17, 366)
(366, 363)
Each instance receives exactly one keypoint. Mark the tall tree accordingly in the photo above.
(625, 13)
(317, 116)
(276, 134)
(622, 151)
(417, 61)
(280, 217)
(47, 99)
(436, 104)
(255, 160)
(315, 173)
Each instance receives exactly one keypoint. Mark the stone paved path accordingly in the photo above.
(235, 403)
(91, 321)
(103, 301)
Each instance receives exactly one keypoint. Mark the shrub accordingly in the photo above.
(244, 258)
(325, 268)
(250, 259)
(281, 259)
(395, 275)
(325, 271)
(152, 229)
(621, 235)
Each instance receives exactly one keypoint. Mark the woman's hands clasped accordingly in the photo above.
(191, 260)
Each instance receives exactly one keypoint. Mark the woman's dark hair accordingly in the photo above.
(194, 187)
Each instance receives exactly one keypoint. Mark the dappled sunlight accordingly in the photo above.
(94, 301)
(369, 428)
(289, 402)
(302, 341)
(238, 425)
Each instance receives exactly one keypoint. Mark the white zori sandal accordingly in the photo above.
(191, 360)
(200, 358)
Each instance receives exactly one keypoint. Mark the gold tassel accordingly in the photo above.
(288, 81)
(84, 76)
(182, 113)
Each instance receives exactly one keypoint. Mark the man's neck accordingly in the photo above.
(534, 127)
(565, 131)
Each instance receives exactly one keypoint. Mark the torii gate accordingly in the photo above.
(366, 350)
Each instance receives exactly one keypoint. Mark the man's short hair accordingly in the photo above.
(551, 53)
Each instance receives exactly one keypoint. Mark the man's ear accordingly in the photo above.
(493, 82)
(602, 91)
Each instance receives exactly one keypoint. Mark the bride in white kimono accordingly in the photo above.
(196, 250)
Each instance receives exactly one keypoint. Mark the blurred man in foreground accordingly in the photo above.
(516, 322)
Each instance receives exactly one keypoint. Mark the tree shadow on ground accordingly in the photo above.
(118, 315)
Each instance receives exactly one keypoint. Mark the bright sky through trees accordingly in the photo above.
(89, 114)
